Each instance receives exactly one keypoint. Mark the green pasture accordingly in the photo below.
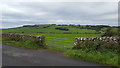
(49, 30)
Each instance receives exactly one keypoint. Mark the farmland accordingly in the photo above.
(51, 29)
(61, 38)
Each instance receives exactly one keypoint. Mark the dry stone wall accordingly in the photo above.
(17, 37)
(78, 40)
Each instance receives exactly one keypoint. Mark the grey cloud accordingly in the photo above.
(63, 12)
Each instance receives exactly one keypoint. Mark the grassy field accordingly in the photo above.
(63, 40)
(58, 41)
(48, 29)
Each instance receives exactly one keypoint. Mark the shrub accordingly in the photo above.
(60, 28)
(111, 32)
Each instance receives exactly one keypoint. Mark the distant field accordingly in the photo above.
(50, 29)
(71, 36)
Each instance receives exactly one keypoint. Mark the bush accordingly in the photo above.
(60, 28)
(30, 26)
(111, 32)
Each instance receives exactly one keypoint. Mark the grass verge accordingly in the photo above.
(30, 44)
(106, 58)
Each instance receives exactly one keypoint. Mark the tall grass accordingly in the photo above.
(107, 57)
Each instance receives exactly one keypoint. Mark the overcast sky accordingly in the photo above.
(84, 13)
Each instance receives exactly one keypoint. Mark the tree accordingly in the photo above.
(111, 32)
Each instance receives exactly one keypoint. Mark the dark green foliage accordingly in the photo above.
(111, 32)
(60, 28)
(46, 26)
(92, 27)
(30, 26)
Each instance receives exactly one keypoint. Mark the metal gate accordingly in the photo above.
(59, 43)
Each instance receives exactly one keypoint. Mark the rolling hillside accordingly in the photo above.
(53, 29)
